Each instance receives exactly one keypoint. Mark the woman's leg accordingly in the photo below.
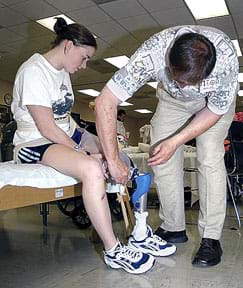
(88, 170)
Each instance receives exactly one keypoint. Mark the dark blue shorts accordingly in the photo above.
(32, 155)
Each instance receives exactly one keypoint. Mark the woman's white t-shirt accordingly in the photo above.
(38, 83)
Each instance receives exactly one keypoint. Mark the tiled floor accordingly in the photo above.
(62, 255)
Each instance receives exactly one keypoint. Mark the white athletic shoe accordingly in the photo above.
(128, 259)
(152, 244)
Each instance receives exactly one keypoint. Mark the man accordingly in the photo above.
(120, 128)
(121, 114)
(197, 71)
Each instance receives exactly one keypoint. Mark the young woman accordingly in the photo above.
(42, 101)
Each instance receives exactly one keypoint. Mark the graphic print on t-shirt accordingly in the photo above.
(62, 106)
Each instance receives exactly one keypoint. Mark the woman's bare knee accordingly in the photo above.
(91, 169)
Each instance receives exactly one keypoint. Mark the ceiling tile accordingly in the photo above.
(7, 36)
(123, 8)
(11, 2)
(30, 30)
(118, 41)
(98, 2)
(5, 49)
(9, 17)
(126, 44)
(238, 20)
(158, 5)
(173, 17)
(21, 46)
(128, 50)
(107, 52)
(35, 9)
(138, 22)
(102, 66)
(45, 41)
(235, 6)
(107, 29)
(144, 34)
(241, 58)
(89, 16)
(102, 44)
(66, 6)
(223, 23)
(89, 78)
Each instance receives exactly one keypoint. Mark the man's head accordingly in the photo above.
(191, 59)
(121, 114)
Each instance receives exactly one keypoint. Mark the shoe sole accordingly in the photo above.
(167, 252)
(205, 265)
(143, 269)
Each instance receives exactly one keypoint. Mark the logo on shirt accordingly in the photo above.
(63, 87)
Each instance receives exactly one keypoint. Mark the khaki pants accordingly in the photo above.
(171, 115)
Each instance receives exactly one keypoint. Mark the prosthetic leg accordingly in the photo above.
(142, 237)
(139, 200)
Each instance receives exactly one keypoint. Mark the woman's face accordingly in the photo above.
(76, 57)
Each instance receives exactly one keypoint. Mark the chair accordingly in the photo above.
(234, 164)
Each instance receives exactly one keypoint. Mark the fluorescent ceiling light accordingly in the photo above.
(90, 92)
(240, 93)
(125, 104)
(118, 61)
(240, 77)
(50, 21)
(143, 111)
(153, 84)
(237, 47)
(207, 8)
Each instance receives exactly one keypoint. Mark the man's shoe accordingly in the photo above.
(209, 253)
(172, 237)
(128, 259)
(152, 244)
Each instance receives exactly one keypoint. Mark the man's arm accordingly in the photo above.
(202, 121)
(106, 112)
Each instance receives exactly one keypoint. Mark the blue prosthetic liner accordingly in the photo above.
(139, 196)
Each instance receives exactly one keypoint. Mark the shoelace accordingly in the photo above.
(158, 239)
(207, 243)
(130, 253)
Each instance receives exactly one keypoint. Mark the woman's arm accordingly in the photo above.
(45, 122)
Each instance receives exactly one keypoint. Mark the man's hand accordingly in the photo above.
(119, 171)
(162, 152)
